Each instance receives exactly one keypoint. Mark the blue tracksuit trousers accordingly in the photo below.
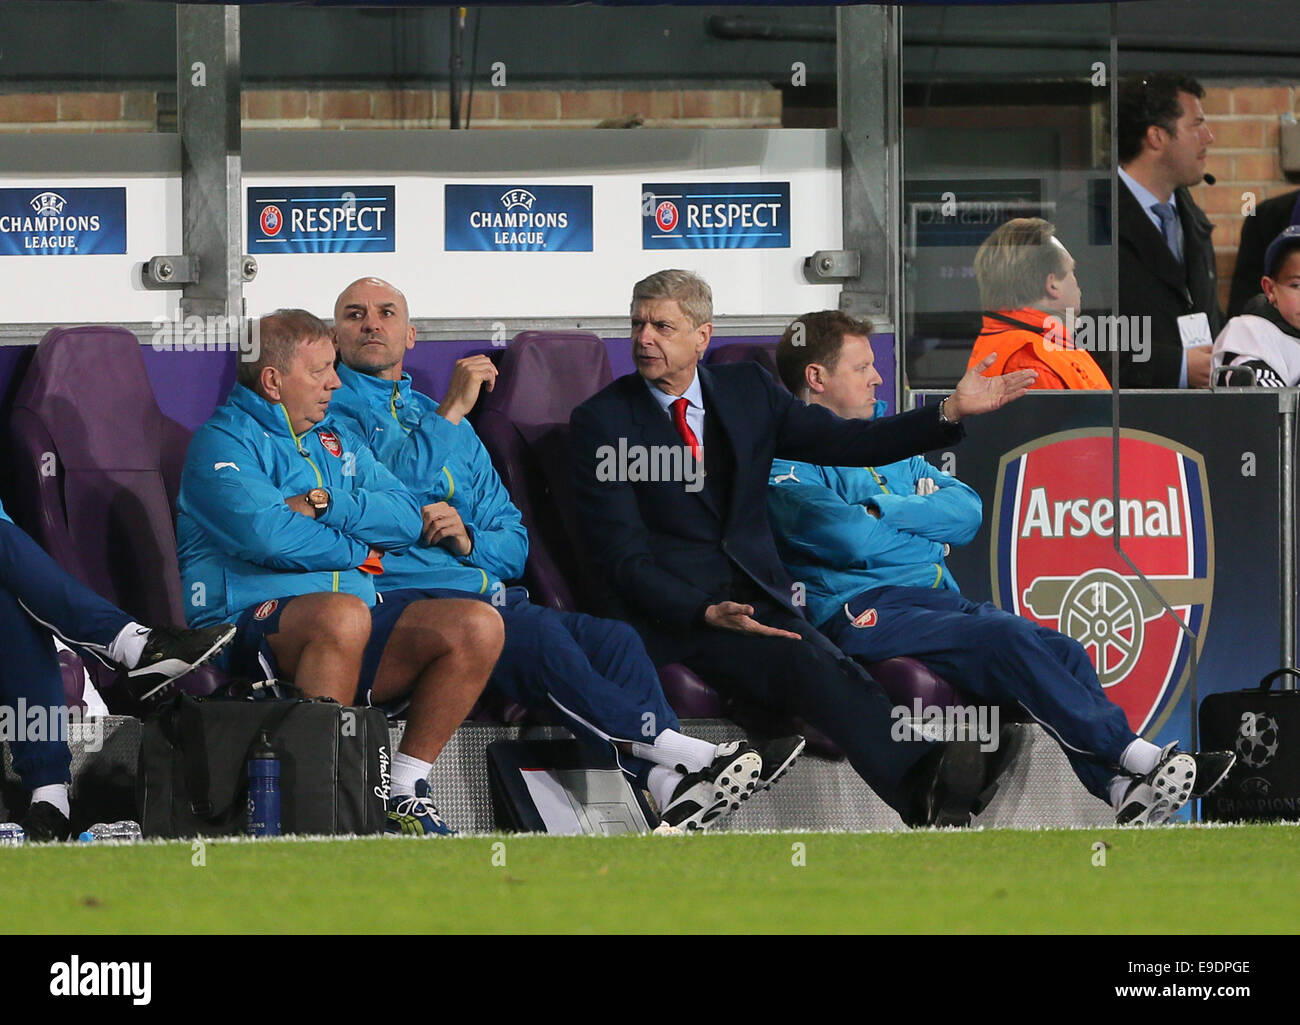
(594, 672)
(998, 658)
(38, 598)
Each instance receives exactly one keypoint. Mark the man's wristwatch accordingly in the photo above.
(319, 500)
(943, 417)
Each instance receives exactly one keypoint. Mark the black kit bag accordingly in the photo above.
(1262, 726)
(193, 777)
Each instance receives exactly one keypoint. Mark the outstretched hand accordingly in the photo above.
(730, 615)
(979, 394)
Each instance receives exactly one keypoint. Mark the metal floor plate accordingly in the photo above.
(816, 794)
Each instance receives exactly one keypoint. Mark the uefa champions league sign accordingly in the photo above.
(62, 222)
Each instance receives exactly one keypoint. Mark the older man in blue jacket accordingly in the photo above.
(868, 542)
(593, 672)
(285, 520)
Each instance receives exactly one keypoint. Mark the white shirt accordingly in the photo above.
(694, 396)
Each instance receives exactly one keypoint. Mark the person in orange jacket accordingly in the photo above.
(1027, 285)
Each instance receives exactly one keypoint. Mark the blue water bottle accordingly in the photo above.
(263, 789)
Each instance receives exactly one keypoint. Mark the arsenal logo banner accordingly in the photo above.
(1198, 514)
(1054, 521)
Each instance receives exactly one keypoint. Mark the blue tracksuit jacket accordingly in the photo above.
(440, 462)
(239, 543)
(829, 541)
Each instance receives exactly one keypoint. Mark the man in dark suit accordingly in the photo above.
(1269, 220)
(690, 557)
(1166, 257)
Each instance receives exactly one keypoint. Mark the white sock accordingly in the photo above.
(405, 770)
(55, 794)
(662, 783)
(128, 645)
(1118, 788)
(673, 749)
(1140, 757)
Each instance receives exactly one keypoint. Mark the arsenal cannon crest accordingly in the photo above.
(1054, 558)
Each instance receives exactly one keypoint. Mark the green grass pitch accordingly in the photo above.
(1184, 879)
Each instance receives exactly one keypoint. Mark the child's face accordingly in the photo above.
(1283, 291)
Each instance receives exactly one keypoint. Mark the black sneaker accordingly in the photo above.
(1212, 768)
(778, 755)
(703, 797)
(1156, 797)
(44, 823)
(171, 653)
(950, 780)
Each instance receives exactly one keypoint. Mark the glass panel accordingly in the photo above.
(88, 67)
(1249, 69)
(539, 67)
(1005, 115)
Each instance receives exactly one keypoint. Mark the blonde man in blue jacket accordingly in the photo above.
(869, 542)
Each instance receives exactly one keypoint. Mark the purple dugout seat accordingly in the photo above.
(762, 353)
(524, 423)
(98, 469)
(71, 668)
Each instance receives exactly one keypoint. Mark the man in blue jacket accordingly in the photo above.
(285, 519)
(39, 601)
(868, 542)
(594, 672)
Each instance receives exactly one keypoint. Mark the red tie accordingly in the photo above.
(684, 429)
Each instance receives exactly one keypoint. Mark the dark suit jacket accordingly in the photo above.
(1152, 284)
(668, 553)
(1257, 231)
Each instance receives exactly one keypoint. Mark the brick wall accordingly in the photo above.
(1244, 159)
(132, 111)
(515, 108)
(138, 111)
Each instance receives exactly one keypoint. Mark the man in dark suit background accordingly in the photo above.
(1166, 257)
(690, 558)
(1269, 220)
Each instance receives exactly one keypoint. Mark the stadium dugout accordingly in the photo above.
(133, 258)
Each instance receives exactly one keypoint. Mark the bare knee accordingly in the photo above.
(344, 621)
(479, 630)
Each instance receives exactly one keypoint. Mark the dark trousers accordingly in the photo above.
(594, 672)
(810, 678)
(38, 598)
(1000, 658)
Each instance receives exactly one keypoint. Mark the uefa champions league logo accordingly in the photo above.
(1258, 739)
(49, 204)
(518, 199)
